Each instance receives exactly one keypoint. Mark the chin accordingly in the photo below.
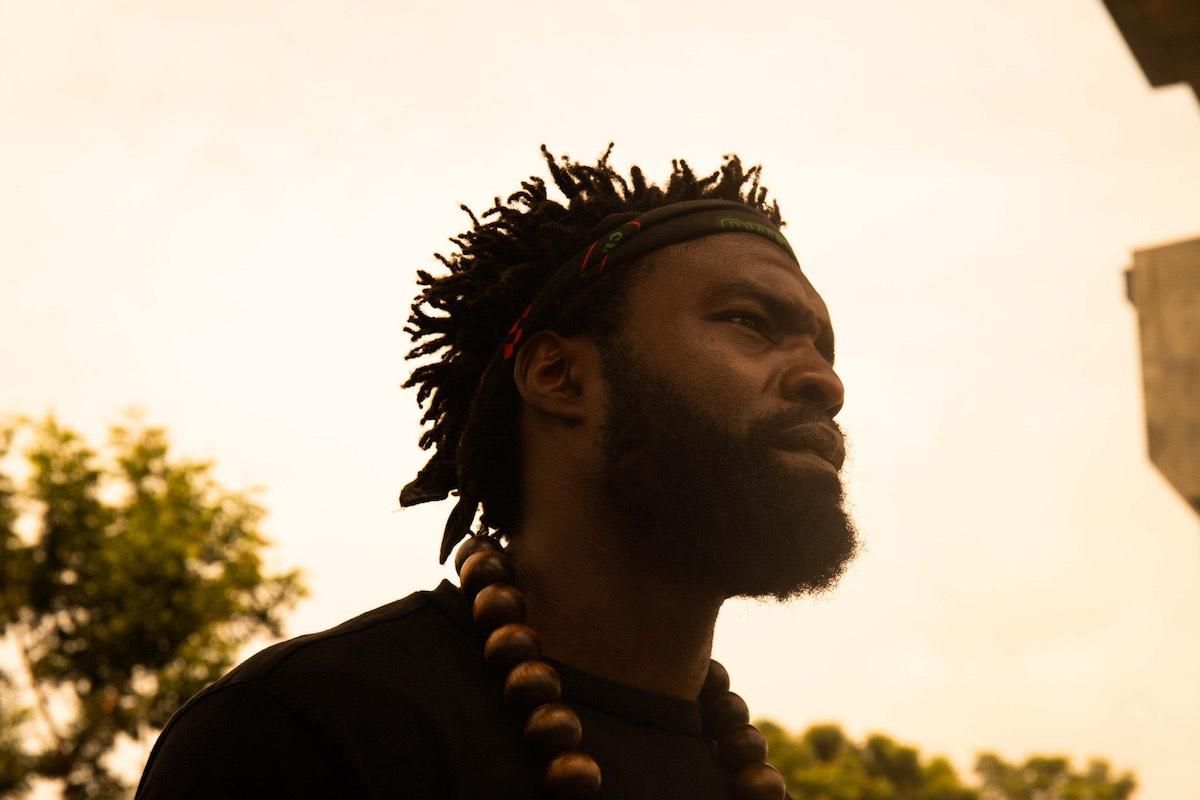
(786, 560)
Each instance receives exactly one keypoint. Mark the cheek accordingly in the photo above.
(716, 369)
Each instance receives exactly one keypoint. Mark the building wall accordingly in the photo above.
(1164, 285)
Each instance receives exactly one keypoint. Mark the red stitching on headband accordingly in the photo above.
(515, 333)
(588, 256)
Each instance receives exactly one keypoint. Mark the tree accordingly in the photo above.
(823, 764)
(14, 763)
(1051, 778)
(133, 586)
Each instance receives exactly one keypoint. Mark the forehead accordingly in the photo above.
(689, 272)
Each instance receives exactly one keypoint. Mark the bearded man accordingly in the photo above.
(635, 393)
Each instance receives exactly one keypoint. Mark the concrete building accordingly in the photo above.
(1164, 36)
(1164, 282)
(1164, 286)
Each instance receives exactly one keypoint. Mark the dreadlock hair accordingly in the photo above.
(502, 263)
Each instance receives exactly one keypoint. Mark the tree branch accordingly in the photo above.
(42, 705)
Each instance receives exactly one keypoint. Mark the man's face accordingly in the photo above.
(719, 448)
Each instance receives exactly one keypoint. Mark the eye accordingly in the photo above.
(753, 321)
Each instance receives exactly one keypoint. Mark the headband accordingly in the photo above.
(623, 238)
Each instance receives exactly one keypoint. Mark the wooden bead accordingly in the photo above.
(742, 745)
(572, 776)
(509, 645)
(722, 713)
(496, 605)
(473, 545)
(483, 569)
(716, 682)
(532, 683)
(552, 729)
(759, 782)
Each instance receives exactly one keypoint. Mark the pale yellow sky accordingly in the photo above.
(215, 212)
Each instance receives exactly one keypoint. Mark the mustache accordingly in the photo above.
(768, 428)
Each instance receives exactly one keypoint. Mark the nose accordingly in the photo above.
(811, 379)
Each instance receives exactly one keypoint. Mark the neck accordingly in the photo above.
(597, 612)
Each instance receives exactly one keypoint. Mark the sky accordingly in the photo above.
(214, 212)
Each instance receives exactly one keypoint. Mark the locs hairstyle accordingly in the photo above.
(503, 261)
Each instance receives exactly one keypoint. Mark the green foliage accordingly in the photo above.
(1050, 778)
(15, 764)
(141, 583)
(823, 764)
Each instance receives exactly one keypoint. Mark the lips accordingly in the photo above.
(822, 439)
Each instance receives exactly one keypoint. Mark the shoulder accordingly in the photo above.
(318, 704)
(400, 632)
(236, 741)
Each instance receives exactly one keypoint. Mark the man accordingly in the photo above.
(637, 389)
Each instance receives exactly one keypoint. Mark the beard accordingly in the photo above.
(713, 507)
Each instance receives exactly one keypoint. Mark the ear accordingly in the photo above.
(551, 374)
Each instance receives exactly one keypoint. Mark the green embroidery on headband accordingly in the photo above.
(614, 239)
(742, 224)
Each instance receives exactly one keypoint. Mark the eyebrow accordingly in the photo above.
(795, 315)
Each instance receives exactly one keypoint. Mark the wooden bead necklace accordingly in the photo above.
(553, 730)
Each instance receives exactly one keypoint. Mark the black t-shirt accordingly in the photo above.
(397, 704)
